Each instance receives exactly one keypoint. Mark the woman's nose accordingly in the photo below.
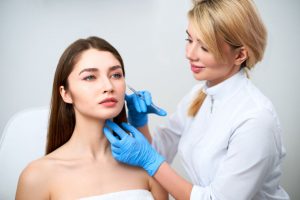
(191, 52)
(107, 85)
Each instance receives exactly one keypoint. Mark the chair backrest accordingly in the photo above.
(23, 140)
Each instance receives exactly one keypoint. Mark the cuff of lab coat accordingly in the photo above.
(200, 193)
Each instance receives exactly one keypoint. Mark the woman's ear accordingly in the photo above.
(66, 96)
(241, 56)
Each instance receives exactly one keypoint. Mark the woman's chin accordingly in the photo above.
(110, 115)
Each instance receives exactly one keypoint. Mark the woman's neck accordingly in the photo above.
(88, 138)
(231, 73)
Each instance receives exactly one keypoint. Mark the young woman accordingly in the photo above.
(226, 131)
(88, 88)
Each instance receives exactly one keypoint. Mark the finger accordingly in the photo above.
(147, 97)
(116, 150)
(142, 102)
(131, 129)
(136, 102)
(160, 112)
(120, 132)
(115, 155)
(111, 138)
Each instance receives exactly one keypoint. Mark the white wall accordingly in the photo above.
(150, 37)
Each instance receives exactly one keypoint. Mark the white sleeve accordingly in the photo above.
(166, 138)
(254, 150)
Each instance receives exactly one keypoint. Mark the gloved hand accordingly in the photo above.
(133, 150)
(139, 108)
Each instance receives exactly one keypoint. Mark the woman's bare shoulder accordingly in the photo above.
(34, 180)
(37, 170)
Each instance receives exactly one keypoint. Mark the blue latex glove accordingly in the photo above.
(139, 108)
(133, 150)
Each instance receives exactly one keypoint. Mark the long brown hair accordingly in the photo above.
(62, 115)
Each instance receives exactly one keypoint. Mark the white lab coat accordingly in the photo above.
(232, 148)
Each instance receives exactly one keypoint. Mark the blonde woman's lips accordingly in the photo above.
(196, 69)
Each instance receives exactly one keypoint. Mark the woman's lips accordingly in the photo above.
(109, 102)
(196, 69)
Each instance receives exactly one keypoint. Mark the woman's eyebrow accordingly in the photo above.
(94, 69)
(91, 69)
(115, 67)
(188, 33)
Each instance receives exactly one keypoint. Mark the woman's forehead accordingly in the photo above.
(94, 58)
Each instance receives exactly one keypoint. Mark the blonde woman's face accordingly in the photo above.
(204, 65)
(96, 85)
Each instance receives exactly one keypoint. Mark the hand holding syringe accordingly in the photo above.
(139, 105)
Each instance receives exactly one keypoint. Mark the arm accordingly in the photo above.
(124, 150)
(178, 187)
(157, 190)
(181, 189)
(31, 185)
(253, 153)
(250, 167)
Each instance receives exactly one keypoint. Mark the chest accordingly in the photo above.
(204, 142)
(70, 182)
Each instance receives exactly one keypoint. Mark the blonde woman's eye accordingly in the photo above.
(204, 49)
(89, 78)
(188, 40)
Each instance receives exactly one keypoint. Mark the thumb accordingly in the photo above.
(160, 112)
(157, 110)
(111, 138)
(136, 133)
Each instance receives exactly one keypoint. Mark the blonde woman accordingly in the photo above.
(226, 131)
(88, 88)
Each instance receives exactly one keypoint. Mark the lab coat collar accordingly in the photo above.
(228, 87)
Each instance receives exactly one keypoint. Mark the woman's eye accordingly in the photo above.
(188, 40)
(89, 78)
(117, 75)
(204, 49)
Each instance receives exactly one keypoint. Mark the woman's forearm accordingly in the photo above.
(177, 186)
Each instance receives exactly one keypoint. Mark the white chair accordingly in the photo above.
(23, 140)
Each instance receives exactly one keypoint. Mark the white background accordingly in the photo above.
(150, 35)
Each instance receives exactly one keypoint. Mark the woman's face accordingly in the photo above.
(203, 63)
(96, 85)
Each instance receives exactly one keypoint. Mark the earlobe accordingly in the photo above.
(241, 56)
(65, 95)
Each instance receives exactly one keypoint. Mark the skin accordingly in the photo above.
(84, 166)
(210, 69)
(206, 67)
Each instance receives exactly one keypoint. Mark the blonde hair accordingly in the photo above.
(237, 22)
(197, 103)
